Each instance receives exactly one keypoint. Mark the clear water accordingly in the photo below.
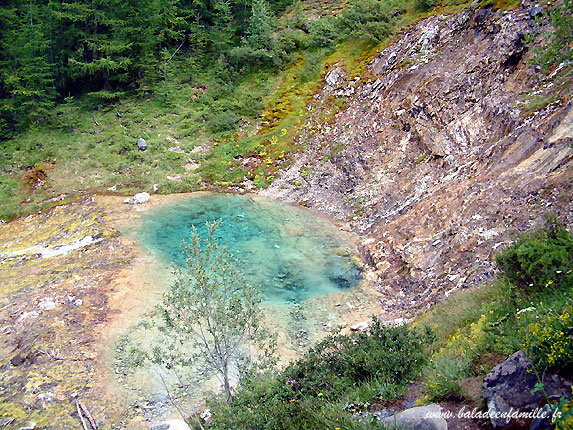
(292, 254)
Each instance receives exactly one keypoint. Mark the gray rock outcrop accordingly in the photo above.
(438, 157)
(421, 418)
(335, 76)
(510, 387)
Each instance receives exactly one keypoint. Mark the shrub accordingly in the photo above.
(372, 20)
(455, 361)
(549, 340)
(291, 40)
(424, 5)
(340, 361)
(223, 121)
(313, 65)
(539, 259)
(311, 392)
(323, 32)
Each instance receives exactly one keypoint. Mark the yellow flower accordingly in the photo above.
(320, 394)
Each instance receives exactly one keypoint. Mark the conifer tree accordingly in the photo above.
(27, 83)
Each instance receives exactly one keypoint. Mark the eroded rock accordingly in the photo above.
(432, 161)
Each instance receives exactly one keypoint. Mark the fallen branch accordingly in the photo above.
(88, 415)
(80, 415)
(93, 117)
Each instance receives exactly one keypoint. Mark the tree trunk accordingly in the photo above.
(226, 382)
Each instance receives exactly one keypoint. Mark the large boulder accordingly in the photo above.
(421, 418)
(171, 425)
(510, 388)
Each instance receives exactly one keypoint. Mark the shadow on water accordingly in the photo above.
(292, 254)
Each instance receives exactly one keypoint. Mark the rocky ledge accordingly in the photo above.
(437, 158)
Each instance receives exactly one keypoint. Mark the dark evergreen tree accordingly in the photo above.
(27, 87)
(54, 49)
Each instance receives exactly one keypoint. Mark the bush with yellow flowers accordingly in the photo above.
(455, 360)
(549, 340)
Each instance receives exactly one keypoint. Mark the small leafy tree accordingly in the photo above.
(210, 317)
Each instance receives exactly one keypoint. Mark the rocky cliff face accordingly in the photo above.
(435, 158)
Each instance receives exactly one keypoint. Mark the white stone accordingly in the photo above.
(398, 322)
(140, 198)
(335, 76)
(206, 415)
(361, 326)
(26, 315)
(47, 304)
(425, 417)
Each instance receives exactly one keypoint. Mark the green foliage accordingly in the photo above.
(337, 377)
(539, 259)
(563, 414)
(372, 20)
(313, 65)
(204, 73)
(25, 69)
(455, 360)
(508, 315)
(557, 47)
(424, 5)
(260, 28)
(549, 340)
(324, 32)
(394, 354)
